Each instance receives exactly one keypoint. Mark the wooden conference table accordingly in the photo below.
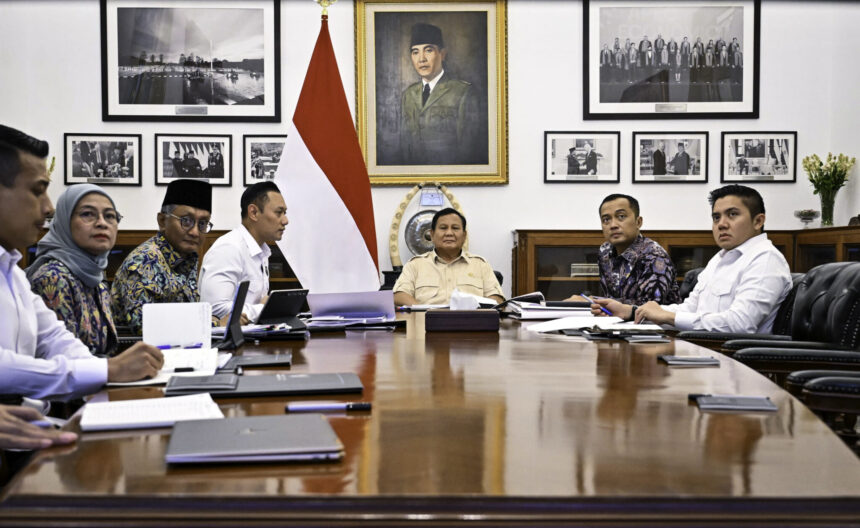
(506, 429)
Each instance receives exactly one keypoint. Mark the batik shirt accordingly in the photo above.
(153, 273)
(643, 272)
(86, 312)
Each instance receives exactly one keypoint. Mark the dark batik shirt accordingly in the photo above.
(153, 273)
(643, 272)
(85, 311)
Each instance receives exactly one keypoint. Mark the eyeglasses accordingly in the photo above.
(91, 216)
(187, 223)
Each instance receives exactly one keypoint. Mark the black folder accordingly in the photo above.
(267, 385)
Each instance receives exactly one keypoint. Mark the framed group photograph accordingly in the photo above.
(670, 157)
(201, 157)
(260, 157)
(666, 59)
(431, 91)
(204, 60)
(581, 157)
(764, 157)
(102, 159)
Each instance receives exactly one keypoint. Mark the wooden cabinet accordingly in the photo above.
(561, 263)
(831, 244)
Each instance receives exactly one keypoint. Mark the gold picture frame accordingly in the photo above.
(459, 135)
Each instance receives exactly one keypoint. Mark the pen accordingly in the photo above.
(589, 299)
(404, 309)
(171, 347)
(319, 406)
(44, 424)
(694, 396)
(183, 369)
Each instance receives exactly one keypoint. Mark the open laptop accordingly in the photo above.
(233, 337)
(302, 438)
(353, 305)
(284, 306)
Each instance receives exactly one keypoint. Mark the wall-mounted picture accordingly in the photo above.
(581, 157)
(661, 59)
(670, 157)
(102, 159)
(203, 157)
(261, 155)
(765, 157)
(208, 60)
(432, 91)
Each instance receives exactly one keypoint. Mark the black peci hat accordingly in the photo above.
(193, 193)
(426, 34)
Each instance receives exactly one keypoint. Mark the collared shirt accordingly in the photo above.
(85, 311)
(39, 358)
(233, 258)
(153, 273)
(643, 272)
(738, 291)
(432, 82)
(430, 280)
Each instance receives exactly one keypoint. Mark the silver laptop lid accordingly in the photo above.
(353, 305)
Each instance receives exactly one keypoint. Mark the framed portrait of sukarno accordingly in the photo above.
(190, 60)
(431, 91)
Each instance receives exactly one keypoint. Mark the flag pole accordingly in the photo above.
(325, 5)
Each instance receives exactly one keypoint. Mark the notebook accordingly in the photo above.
(147, 413)
(233, 386)
(283, 306)
(304, 438)
(707, 402)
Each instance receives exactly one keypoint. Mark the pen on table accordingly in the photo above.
(170, 347)
(183, 369)
(589, 299)
(319, 406)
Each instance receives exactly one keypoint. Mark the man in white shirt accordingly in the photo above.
(741, 287)
(243, 253)
(39, 357)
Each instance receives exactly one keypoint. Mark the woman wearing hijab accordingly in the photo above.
(70, 260)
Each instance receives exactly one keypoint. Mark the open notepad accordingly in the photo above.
(187, 361)
(148, 413)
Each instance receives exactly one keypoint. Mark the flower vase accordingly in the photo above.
(827, 200)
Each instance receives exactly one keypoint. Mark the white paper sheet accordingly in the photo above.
(204, 361)
(177, 324)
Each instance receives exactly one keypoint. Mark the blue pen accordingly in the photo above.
(170, 347)
(589, 299)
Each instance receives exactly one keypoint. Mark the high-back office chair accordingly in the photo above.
(689, 282)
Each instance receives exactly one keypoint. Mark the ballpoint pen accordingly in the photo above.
(170, 347)
(589, 299)
(323, 406)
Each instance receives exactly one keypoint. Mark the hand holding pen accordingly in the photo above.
(595, 303)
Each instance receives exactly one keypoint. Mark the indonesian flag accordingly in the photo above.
(331, 240)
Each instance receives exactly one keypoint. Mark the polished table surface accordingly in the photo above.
(510, 428)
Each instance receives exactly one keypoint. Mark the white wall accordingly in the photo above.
(50, 84)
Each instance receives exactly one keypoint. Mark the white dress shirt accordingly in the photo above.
(39, 357)
(233, 258)
(738, 291)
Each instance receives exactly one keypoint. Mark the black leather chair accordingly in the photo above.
(832, 395)
(689, 282)
(826, 312)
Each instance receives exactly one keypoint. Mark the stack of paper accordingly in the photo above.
(148, 413)
(534, 311)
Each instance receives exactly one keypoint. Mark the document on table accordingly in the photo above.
(182, 362)
(529, 310)
(573, 323)
(148, 413)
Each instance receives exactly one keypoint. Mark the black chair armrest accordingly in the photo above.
(835, 384)
(778, 363)
(839, 394)
(795, 381)
(739, 344)
(727, 336)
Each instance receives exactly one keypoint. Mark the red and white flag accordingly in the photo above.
(331, 240)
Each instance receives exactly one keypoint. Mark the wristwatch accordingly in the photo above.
(633, 312)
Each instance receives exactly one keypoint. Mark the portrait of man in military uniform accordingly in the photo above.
(431, 88)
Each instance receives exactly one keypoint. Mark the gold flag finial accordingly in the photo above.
(324, 4)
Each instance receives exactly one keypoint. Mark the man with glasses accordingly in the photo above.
(243, 253)
(164, 268)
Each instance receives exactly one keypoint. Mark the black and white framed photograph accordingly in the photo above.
(102, 159)
(199, 157)
(662, 59)
(763, 157)
(205, 60)
(455, 131)
(261, 155)
(581, 157)
(670, 157)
